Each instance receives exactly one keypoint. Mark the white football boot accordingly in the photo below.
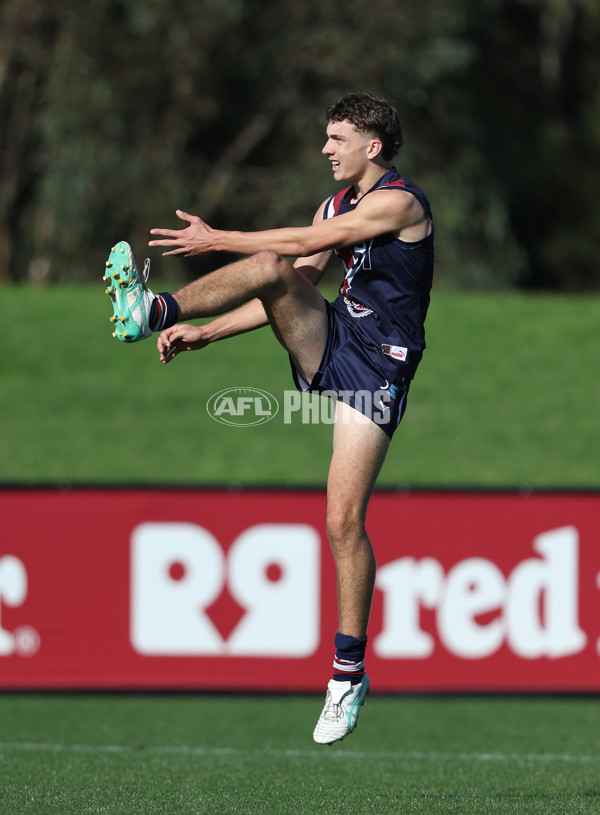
(340, 714)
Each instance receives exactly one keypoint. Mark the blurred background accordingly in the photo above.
(113, 114)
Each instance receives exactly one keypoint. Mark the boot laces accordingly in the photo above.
(146, 270)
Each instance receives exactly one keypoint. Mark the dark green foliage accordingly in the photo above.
(113, 114)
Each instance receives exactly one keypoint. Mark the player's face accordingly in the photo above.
(347, 150)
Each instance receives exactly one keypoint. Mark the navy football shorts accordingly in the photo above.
(352, 372)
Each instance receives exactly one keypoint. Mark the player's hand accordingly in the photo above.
(195, 239)
(179, 338)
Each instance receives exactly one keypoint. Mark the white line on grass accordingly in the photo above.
(321, 753)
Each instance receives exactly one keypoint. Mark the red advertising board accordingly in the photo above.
(235, 590)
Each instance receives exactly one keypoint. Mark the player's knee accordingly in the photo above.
(271, 266)
(345, 525)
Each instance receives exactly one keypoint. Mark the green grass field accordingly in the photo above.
(506, 395)
(72, 755)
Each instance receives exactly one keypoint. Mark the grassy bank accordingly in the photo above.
(506, 395)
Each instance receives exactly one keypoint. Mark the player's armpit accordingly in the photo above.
(313, 267)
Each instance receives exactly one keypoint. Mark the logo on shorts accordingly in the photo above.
(356, 309)
(242, 407)
(393, 391)
(395, 351)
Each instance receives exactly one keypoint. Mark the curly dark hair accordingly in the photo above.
(371, 115)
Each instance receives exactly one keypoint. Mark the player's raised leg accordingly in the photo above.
(293, 306)
(359, 449)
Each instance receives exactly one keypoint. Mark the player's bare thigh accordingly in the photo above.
(298, 315)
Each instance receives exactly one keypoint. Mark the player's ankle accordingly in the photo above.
(349, 659)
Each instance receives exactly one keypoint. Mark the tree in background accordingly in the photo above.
(114, 113)
(538, 81)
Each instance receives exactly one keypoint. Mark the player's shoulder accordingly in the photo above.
(388, 198)
(397, 191)
(331, 206)
(394, 180)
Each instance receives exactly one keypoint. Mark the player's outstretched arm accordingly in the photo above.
(386, 211)
(198, 238)
(183, 337)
